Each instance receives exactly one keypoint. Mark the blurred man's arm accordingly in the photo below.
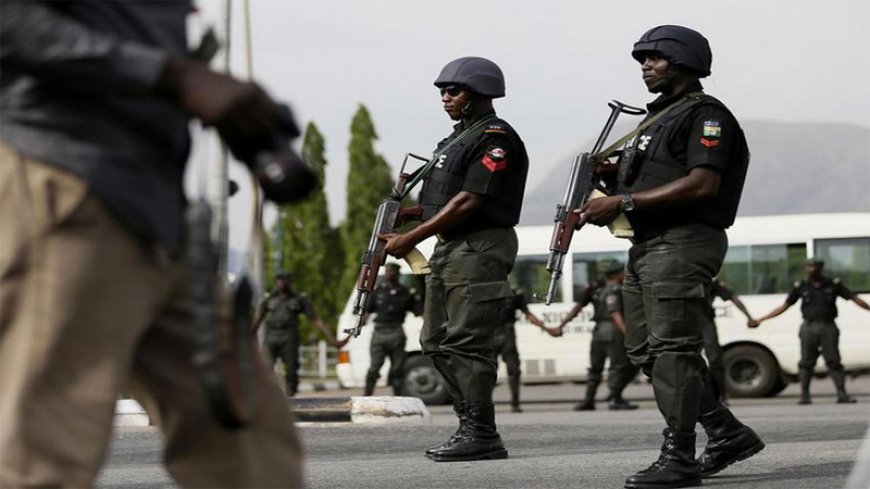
(40, 40)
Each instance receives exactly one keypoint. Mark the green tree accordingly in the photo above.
(369, 181)
(309, 248)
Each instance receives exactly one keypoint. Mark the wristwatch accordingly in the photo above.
(627, 204)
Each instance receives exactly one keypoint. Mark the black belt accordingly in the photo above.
(461, 233)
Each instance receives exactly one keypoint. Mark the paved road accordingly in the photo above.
(552, 446)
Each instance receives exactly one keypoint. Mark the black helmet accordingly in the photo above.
(284, 276)
(479, 74)
(817, 261)
(681, 45)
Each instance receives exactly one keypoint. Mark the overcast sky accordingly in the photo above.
(784, 60)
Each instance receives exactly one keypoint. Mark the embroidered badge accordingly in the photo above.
(611, 300)
(709, 142)
(712, 129)
(494, 159)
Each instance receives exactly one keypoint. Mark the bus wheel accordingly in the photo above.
(423, 380)
(750, 371)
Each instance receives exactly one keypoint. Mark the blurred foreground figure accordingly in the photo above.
(680, 181)
(95, 100)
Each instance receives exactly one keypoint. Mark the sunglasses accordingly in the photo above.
(452, 90)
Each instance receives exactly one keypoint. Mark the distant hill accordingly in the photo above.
(796, 168)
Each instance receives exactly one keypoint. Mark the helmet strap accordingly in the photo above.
(468, 109)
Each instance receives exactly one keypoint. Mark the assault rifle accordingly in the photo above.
(586, 178)
(390, 216)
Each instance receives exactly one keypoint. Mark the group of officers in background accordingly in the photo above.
(680, 190)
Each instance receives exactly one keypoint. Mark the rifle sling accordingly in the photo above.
(606, 152)
(424, 170)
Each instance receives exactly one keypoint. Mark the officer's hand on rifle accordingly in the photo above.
(601, 211)
(398, 245)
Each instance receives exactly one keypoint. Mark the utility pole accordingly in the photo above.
(220, 179)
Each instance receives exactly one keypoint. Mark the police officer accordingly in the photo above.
(390, 302)
(505, 340)
(712, 348)
(608, 338)
(280, 311)
(680, 191)
(818, 295)
(471, 200)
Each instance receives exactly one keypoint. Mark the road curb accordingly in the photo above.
(319, 386)
(361, 410)
(358, 410)
(129, 413)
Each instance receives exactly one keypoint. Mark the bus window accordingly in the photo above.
(847, 258)
(530, 274)
(763, 269)
(585, 270)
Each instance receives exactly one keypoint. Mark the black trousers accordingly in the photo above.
(284, 345)
(665, 294)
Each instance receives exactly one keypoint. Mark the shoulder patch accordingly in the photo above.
(836, 280)
(712, 129)
(495, 159)
(797, 284)
(495, 129)
(611, 300)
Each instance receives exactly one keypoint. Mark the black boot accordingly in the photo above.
(728, 441)
(397, 387)
(676, 466)
(617, 403)
(479, 441)
(805, 376)
(459, 408)
(588, 403)
(371, 379)
(514, 383)
(839, 378)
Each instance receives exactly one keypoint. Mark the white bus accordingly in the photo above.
(766, 255)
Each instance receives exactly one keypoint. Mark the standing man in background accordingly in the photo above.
(608, 338)
(471, 200)
(505, 340)
(679, 185)
(712, 348)
(818, 333)
(391, 302)
(280, 310)
(94, 107)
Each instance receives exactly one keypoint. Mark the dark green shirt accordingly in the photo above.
(608, 301)
(390, 305)
(818, 302)
(282, 311)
